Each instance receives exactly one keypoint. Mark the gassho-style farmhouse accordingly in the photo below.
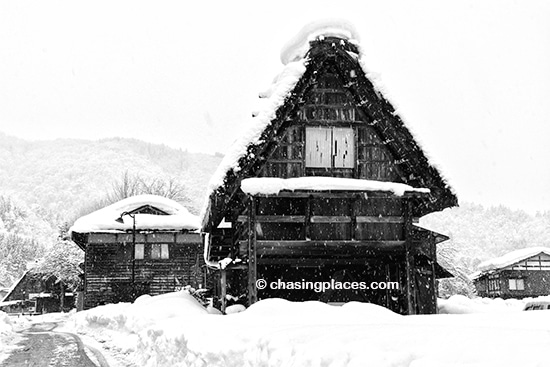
(326, 184)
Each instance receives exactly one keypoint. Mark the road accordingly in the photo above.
(44, 347)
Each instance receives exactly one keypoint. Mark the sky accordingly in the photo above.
(470, 78)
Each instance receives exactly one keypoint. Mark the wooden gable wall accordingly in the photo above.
(329, 126)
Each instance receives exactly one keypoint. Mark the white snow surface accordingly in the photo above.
(8, 336)
(104, 219)
(510, 258)
(175, 330)
(272, 185)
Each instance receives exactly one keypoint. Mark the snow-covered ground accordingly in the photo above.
(175, 330)
(8, 336)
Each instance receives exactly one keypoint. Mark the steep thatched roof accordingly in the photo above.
(337, 51)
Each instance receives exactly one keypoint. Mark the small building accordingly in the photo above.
(518, 274)
(34, 293)
(144, 244)
(326, 185)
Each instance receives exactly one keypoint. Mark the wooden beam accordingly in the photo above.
(409, 259)
(379, 219)
(314, 262)
(330, 219)
(321, 248)
(275, 218)
(223, 285)
(324, 219)
(252, 243)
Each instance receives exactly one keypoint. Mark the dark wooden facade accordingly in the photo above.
(529, 277)
(334, 123)
(113, 274)
(35, 294)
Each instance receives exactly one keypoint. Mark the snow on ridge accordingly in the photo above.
(273, 185)
(298, 46)
(510, 258)
(105, 219)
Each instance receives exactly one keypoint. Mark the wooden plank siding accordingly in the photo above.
(330, 138)
(113, 275)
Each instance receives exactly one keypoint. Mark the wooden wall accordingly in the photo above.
(333, 218)
(329, 116)
(113, 275)
(536, 283)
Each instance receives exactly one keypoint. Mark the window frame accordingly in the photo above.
(338, 135)
(163, 252)
(516, 284)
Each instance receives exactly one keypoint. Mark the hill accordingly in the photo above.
(58, 177)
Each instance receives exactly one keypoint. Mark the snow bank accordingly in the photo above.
(105, 219)
(271, 185)
(512, 258)
(458, 304)
(8, 337)
(174, 330)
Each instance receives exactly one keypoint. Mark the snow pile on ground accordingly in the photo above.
(174, 330)
(460, 304)
(8, 337)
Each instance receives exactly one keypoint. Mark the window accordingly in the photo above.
(159, 251)
(516, 284)
(139, 251)
(330, 147)
(494, 283)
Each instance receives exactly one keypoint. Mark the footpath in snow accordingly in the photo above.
(175, 330)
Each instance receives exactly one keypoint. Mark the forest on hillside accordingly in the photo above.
(46, 185)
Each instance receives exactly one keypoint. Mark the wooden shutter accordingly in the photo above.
(343, 142)
(318, 147)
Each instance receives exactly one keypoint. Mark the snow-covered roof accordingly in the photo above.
(273, 185)
(297, 47)
(12, 288)
(105, 219)
(296, 59)
(510, 259)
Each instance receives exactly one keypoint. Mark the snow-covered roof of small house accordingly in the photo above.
(169, 215)
(509, 259)
(298, 57)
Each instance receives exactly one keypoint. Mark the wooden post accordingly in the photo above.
(434, 286)
(223, 284)
(307, 219)
(353, 216)
(409, 258)
(252, 261)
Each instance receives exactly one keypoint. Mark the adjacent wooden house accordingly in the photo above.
(518, 274)
(145, 244)
(34, 293)
(326, 184)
